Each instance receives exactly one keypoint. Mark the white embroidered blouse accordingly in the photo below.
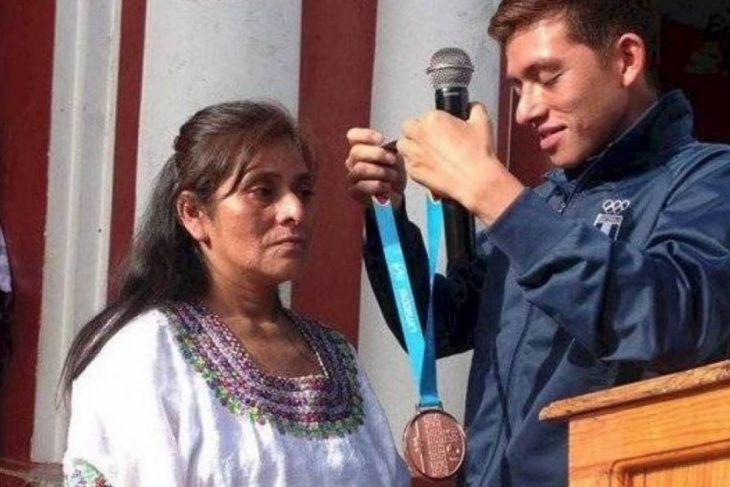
(174, 400)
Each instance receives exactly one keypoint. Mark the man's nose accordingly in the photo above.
(530, 107)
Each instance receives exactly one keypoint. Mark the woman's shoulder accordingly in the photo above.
(136, 349)
(144, 331)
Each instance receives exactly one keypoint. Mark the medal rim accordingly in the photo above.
(406, 450)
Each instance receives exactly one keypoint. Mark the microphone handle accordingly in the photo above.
(458, 222)
(453, 100)
(459, 232)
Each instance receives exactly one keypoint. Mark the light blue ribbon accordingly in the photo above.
(421, 346)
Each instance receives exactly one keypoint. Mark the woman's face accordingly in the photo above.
(261, 230)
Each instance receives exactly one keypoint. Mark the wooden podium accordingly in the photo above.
(669, 431)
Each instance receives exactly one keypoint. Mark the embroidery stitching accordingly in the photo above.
(315, 406)
(86, 475)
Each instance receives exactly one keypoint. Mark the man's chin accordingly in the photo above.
(563, 161)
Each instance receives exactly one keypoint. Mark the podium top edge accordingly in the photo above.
(692, 380)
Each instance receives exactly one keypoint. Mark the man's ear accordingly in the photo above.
(631, 56)
(192, 215)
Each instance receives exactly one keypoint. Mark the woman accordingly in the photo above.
(196, 374)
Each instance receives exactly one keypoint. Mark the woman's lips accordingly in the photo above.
(290, 242)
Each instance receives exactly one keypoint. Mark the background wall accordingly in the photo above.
(26, 55)
(197, 54)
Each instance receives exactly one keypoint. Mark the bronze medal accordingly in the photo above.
(434, 444)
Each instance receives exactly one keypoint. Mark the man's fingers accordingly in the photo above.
(367, 170)
(407, 148)
(358, 135)
(363, 191)
(410, 128)
(479, 116)
(369, 153)
(372, 170)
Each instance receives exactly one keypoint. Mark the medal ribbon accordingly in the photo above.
(419, 340)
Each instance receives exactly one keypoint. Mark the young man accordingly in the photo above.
(614, 270)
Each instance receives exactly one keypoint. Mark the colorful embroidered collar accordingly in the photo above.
(315, 406)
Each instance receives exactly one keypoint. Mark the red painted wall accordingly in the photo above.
(129, 95)
(26, 65)
(338, 46)
(517, 146)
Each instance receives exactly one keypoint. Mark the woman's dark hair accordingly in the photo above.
(165, 263)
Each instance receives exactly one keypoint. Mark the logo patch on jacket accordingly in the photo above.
(609, 222)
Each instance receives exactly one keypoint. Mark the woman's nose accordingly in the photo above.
(291, 208)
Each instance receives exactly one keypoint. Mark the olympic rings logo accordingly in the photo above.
(615, 207)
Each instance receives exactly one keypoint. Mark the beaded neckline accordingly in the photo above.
(313, 406)
(245, 356)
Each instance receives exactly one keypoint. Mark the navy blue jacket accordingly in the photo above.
(613, 273)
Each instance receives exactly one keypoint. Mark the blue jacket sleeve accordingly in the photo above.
(456, 297)
(664, 303)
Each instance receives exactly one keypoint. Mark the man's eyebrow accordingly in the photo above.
(535, 68)
(543, 65)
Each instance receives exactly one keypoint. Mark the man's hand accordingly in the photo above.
(373, 170)
(457, 159)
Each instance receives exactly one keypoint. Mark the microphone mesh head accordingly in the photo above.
(450, 66)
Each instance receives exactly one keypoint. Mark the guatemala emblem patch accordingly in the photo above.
(609, 222)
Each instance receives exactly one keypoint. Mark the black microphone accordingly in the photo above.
(450, 72)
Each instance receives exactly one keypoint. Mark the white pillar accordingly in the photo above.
(201, 53)
(86, 58)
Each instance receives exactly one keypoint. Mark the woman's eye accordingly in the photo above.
(305, 194)
(262, 192)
